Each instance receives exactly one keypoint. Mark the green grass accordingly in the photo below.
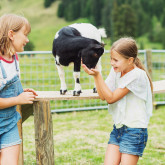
(81, 138)
(147, 44)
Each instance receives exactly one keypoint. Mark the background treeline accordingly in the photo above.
(119, 17)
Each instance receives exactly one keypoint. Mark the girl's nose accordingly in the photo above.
(27, 40)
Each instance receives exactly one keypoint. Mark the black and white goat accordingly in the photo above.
(73, 43)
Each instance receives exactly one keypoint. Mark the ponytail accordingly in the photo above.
(139, 64)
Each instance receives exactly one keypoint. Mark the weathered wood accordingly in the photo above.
(27, 110)
(19, 124)
(43, 133)
(159, 86)
(149, 61)
(55, 95)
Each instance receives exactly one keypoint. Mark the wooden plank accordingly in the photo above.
(27, 110)
(19, 124)
(55, 95)
(43, 133)
(159, 86)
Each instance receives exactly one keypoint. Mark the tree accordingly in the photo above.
(163, 19)
(107, 18)
(96, 12)
(29, 46)
(47, 3)
(163, 38)
(60, 11)
(124, 21)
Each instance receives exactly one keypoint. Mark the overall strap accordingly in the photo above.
(3, 70)
(16, 65)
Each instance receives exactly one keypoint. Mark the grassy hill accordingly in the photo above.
(44, 22)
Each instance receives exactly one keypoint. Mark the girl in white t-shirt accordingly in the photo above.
(128, 91)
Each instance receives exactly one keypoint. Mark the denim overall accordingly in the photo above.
(9, 116)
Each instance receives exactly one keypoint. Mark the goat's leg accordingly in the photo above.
(77, 88)
(76, 76)
(61, 74)
(99, 67)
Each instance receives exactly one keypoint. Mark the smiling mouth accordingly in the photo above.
(114, 68)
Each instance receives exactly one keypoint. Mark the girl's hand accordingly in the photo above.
(30, 90)
(26, 98)
(93, 72)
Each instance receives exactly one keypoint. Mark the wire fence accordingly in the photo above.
(38, 71)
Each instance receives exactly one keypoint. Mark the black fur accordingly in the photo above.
(70, 46)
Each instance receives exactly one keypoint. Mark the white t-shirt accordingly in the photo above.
(9, 67)
(134, 109)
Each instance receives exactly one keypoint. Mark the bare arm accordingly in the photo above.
(91, 72)
(23, 98)
(104, 92)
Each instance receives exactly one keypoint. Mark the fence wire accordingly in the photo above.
(38, 71)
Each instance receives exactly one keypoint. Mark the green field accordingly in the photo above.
(80, 138)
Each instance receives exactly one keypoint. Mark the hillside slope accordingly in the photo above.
(44, 22)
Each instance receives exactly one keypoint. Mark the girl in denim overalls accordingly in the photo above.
(128, 91)
(13, 37)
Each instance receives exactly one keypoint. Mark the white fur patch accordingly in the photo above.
(61, 74)
(77, 85)
(102, 32)
(87, 30)
(57, 59)
(57, 35)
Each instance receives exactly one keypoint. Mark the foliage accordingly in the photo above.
(47, 3)
(29, 46)
(45, 22)
(119, 17)
(163, 38)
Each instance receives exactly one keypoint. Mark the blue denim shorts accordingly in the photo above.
(130, 140)
(10, 138)
(9, 134)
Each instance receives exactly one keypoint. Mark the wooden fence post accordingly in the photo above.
(149, 61)
(19, 124)
(43, 133)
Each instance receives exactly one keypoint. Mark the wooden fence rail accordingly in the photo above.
(43, 120)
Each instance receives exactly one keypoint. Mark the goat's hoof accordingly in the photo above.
(77, 93)
(94, 90)
(62, 92)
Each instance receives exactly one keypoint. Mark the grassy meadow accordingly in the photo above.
(80, 138)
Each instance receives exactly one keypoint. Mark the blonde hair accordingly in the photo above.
(127, 48)
(11, 22)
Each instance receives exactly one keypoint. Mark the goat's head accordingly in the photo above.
(91, 54)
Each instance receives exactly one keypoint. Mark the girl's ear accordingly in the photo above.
(10, 34)
(131, 60)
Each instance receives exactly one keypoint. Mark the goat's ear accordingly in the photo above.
(99, 49)
(102, 44)
(97, 46)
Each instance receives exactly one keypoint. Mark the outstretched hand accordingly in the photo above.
(93, 72)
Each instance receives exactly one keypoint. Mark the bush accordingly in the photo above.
(29, 46)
